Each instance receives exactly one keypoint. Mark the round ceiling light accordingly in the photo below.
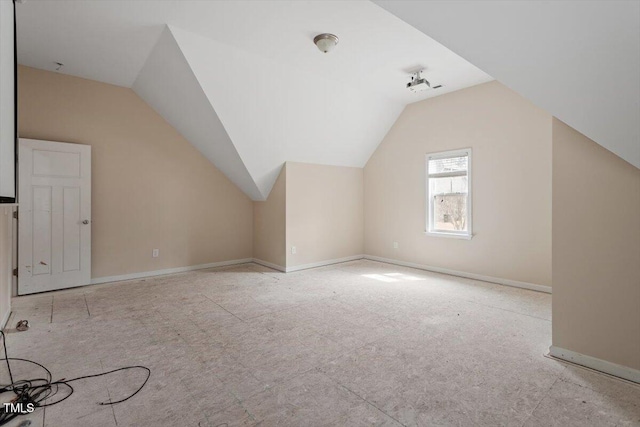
(325, 41)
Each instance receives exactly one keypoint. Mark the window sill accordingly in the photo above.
(449, 235)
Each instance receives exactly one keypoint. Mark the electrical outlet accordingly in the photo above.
(293, 250)
(395, 245)
(155, 253)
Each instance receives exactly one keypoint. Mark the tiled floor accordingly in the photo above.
(360, 343)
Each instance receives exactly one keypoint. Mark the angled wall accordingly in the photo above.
(167, 83)
(151, 188)
(596, 255)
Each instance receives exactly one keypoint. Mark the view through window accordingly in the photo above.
(449, 187)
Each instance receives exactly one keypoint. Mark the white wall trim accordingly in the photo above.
(507, 282)
(270, 265)
(497, 280)
(323, 263)
(610, 368)
(132, 276)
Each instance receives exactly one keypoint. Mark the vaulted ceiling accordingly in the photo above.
(579, 60)
(242, 80)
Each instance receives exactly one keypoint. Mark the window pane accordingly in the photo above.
(449, 164)
(448, 185)
(449, 203)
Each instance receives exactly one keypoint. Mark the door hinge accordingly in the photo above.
(15, 272)
(15, 214)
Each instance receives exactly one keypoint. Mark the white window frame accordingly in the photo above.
(430, 230)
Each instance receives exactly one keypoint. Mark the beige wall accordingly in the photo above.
(6, 265)
(269, 225)
(511, 143)
(324, 213)
(151, 188)
(596, 250)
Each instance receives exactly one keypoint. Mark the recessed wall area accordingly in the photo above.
(312, 217)
(324, 214)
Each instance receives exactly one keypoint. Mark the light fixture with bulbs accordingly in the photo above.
(325, 42)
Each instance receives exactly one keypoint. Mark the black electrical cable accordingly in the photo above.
(65, 382)
(6, 356)
(38, 390)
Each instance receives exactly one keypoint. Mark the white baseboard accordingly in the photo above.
(133, 276)
(610, 368)
(497, 280)
(323, 263)
(144, 274)
(270, 265)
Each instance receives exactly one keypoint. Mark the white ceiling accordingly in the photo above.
(272, 96)
(579, 60)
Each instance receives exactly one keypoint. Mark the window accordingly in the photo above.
(449, 194)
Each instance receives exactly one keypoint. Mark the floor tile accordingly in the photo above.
(354, 344)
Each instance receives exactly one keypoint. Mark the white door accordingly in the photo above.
(54, 216)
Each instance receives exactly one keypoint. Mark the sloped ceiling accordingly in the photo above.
(242, 80)
(579, 60)
(167, 83)
(276, 112)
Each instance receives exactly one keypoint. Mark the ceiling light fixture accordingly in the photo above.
(325, 41)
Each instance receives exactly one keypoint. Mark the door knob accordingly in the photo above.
(85, 222)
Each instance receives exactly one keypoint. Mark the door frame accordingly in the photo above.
(85, 190)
